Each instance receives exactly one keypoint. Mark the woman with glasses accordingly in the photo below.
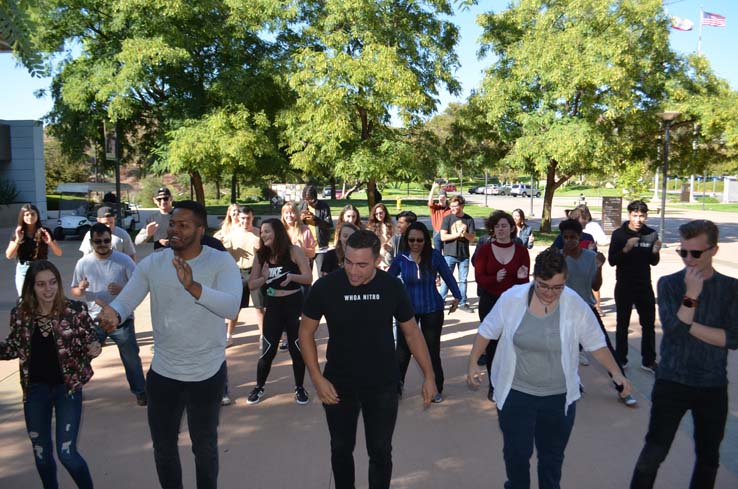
(535, 371)
(418, 265)
(54, 339)
(380, 223)
(499, 264)
(30, 242)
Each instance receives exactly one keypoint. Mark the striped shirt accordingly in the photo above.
(421, 284)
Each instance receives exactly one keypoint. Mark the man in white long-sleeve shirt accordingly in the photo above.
(193, 288)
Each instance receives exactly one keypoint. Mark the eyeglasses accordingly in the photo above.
(554, 288)
(694, 253)
(414, 240)
(101, 241)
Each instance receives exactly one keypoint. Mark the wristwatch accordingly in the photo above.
(689, 302)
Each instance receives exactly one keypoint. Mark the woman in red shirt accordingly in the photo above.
(499, 263)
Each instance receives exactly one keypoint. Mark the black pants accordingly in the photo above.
(626, 296)
(431, 325)
(486, 302)
(379, 410)
(282, 314)
(168, 399)
(670, 401)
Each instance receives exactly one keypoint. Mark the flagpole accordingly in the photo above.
(699, 39)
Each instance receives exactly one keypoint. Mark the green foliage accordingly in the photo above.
(8, 192)
(17, 30)
(62, 168)
(574, 82)
(355, 62)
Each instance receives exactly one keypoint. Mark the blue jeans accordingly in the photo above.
(437, 243)
(168, 399)
(40, 401)
(525, 420)
(463, 263)
(125, 338)
(379, 410)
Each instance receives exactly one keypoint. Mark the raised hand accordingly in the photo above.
(83, 284)
(114, 289)
(522, 272)
(286, 281)
(693, 280)
(19, 234)
(108, 317)
(501, 274)
(184, 271)
(631, 243)
(45, 236)
(151, 228)
(657, 246)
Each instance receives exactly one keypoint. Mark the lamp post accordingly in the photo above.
(668, 117)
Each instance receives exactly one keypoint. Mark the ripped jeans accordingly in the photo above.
(41, 401)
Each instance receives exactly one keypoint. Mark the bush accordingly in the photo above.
(8, 192)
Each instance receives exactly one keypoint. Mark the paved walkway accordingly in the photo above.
(278, 444)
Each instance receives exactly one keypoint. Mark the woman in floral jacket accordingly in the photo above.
(54, 339)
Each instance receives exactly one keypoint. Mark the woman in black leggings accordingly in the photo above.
(280, 268)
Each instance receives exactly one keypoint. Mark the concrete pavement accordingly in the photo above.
(278, 444)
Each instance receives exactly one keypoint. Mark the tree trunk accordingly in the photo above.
(551, 185)
(234, 194)
(371, 186)
(351, 190)
(197, 184)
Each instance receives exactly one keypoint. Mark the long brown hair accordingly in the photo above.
(28, 302)
(281, 245)
(340, 252)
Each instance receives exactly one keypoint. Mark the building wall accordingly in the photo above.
(26, 167)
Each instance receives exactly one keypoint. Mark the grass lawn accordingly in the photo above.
(708, 207)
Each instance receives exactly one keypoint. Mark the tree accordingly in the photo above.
(357, 61)
(152, 67)
(16, 34)
(576, 85)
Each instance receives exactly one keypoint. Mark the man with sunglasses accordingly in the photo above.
(121, 241)
(634, 249)
(102, 274)
(157, 224)
(699, 317)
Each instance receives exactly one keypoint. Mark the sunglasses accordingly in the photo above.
(101, 241)
(414, 240)
(694, 253)
(162, 199)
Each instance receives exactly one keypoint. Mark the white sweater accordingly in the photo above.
(577, 323)
(189, 334)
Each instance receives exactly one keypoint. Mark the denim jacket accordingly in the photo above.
(73, 333)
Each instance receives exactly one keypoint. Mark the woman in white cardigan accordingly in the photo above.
(536, 383)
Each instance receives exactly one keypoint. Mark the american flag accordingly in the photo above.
(714, 20)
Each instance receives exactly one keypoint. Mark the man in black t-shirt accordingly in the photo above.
(361, 372)
(457, 231)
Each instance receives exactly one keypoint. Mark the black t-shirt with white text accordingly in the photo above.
(361, 345)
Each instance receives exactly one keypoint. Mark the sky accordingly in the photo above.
(17, 100)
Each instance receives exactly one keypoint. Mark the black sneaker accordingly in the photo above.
(141, 399)
(255, 396)
(650, 368)
(283, 345)
(301, 395)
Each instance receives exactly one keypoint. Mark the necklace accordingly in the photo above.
(545, 306)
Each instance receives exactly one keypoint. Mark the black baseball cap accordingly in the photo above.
(162, 192)
(105, 211)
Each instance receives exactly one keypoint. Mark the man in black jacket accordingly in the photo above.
(634, 248)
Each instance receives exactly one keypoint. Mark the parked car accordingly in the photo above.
(504, 190)
(475, 189)
(492, 189)
(327, 192)
(523, 190)
(449, 187)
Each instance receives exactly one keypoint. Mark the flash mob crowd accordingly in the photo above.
(382, 292)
